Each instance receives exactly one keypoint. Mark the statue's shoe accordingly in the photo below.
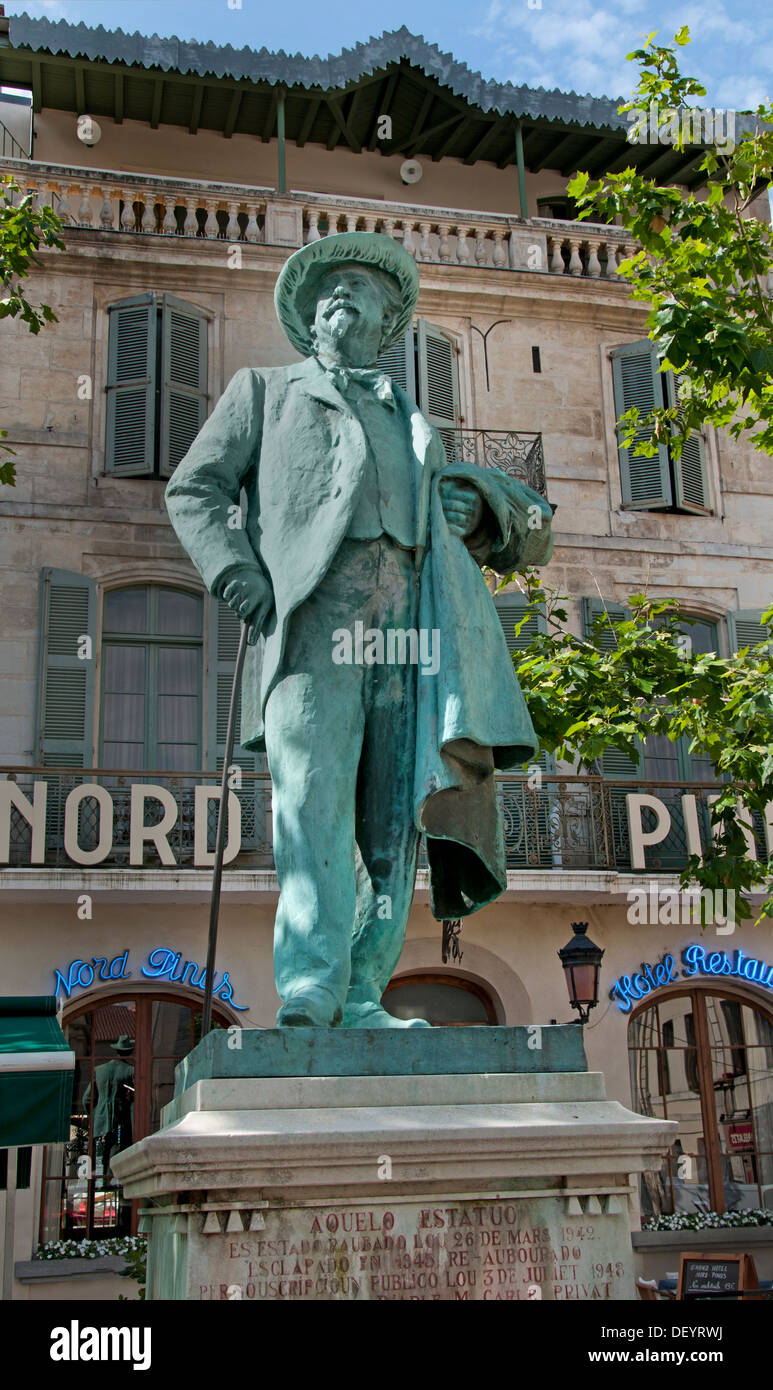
(371, 1015)
(309, 1011)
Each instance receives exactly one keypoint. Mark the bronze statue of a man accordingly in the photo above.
(377, 677)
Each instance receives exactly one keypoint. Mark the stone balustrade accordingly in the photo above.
(154, 205)
(492, 241)
(148, 205)
(580, 248)
(467, 239)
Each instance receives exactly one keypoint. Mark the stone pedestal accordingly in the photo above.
(460, 1164)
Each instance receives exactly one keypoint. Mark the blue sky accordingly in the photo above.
(543, 43)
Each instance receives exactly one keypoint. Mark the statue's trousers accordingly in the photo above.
(340, 739)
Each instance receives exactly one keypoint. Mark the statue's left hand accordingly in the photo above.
(462, 506)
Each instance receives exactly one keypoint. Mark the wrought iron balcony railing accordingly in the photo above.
(565, 823)
(515, 452)
(10, 148)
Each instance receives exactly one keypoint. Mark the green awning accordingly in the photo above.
(36, 1072)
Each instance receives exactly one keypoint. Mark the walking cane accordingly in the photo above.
(222, 817)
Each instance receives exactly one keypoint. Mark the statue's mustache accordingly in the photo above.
(340, 304)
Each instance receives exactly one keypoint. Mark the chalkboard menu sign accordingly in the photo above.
(715, 1276)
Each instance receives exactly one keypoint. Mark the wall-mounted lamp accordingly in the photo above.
(581, 960)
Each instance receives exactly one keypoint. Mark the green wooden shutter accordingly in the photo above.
(593, 608)
(691, 489)
(614, 763)
(131, 386)
(66, 685)
(526, 811)
(184, 396)
(646, 482)
(746, 629)
(439, 384)
(399, 363)
(222, 648)
(510, 609)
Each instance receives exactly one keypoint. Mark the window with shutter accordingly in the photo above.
(151, 697)
(425, 364)
(691, 493)
(156, 383)
(645, 481)
(746, 629)
(65, 723)
(532, 839)
(183, 379)
(614, 764)
(665, 759)
(399, 362)
(660, 759)
(131, 386)
(596, 608)
(223, 645)
(151, 679)
(510, 609)
(439, 383)
(66, 684)
(662, 482)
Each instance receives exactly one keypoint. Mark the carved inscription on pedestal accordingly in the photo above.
(440, 1250)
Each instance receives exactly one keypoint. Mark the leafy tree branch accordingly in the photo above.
(23, 229)
(633, 679)
(702, 265)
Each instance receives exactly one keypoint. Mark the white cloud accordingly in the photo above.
(44, 9)
(562, 46)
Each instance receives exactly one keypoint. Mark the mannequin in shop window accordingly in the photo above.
(113, 1098)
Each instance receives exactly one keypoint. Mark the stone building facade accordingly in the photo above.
(175, 232)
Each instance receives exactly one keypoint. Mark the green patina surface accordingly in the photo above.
(356, 523)
(383, 1052)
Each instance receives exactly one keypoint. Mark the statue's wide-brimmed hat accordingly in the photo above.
(124, 1045)
(294, 296)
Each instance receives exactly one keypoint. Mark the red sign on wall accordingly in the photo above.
(740, 1136)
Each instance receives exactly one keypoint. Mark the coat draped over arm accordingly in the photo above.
(472, 717)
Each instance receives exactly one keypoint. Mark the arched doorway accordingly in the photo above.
(126, 1049)
(704, 1057)
(448, 1001)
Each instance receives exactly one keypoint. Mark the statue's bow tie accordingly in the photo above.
(371, 378)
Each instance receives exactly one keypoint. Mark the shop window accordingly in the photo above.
(156, 384)
(706, 1061)
(663, 482)
(126, 1050)
(444, 1000)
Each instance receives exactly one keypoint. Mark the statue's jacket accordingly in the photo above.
(291, 440)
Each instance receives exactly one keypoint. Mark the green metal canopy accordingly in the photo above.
(438, 107)
(36, 1073)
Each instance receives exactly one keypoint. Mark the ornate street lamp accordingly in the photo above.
(582, 962)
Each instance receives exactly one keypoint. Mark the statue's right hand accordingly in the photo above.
(249, 596)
